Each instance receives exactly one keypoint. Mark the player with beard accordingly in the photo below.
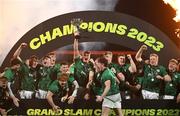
(172, 88)
(72, 83)
(110, 90)
(83, 67)
(44, 79)
(154, 74)
(58, 89)
(127, 69)
(28, 74)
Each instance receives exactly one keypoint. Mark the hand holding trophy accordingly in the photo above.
(76, 24)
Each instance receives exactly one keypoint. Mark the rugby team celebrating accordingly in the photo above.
(87, 78)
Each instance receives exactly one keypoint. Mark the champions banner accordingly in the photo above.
(98, 26)
(100, 31)
(92, 108)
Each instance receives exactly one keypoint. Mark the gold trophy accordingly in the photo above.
(76, 27)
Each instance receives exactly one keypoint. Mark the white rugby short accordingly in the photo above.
(112, 101)
(168, 97)
(26, 94)
(150, 95)
(41, 94)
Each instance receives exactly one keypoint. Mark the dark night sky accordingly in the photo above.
(153, 11)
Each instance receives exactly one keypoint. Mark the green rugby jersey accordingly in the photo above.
(124, 69)
(54, 71)
(9, 74)
(81, 71)
(44, 78)
(150, 82)
(106, 75)
(113, 66)
(70, 79)
(56, 89)
(97, 86)
(171, 87)
(28, 77)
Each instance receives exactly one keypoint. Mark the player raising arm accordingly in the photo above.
(154, 74)
(28, 72)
